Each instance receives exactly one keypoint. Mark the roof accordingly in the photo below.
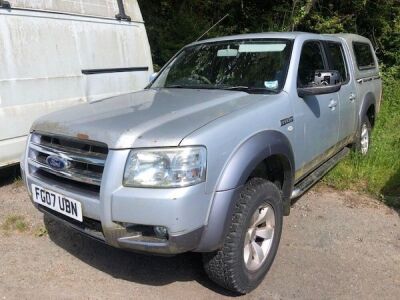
(271, 35)
(350, 37)
(283, 35)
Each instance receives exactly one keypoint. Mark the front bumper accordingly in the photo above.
(182, 211)
(135, 242)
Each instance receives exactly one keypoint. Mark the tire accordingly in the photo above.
(227, 266)
(363, 142)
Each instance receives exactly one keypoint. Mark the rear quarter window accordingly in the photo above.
(364, 57)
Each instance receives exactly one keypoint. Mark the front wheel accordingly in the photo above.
(252, 241)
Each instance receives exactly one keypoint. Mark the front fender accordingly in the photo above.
(252, 152)
(234, 176)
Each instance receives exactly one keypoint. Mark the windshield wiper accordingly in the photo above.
(176, 86)
(180, 86)
(244, 88)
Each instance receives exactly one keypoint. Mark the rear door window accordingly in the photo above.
(337, 59)
(364, 56)
(311, 60)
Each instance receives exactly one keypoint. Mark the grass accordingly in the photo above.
(15, 223)
(40, 232)
(379, 172)
(18, 182)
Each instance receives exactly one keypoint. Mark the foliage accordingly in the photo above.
(172, 24)
(379, 172)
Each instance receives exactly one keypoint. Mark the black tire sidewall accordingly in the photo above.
(266, 193)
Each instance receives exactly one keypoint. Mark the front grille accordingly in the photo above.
(85, 160)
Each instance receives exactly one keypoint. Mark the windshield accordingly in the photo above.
(246, 65)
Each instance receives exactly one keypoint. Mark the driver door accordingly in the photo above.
(317, 116)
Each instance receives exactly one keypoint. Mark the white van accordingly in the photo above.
(59, 53)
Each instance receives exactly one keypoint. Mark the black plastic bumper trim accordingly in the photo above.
(174, 245)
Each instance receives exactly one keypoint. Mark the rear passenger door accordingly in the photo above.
(347, 94)
(317, 116)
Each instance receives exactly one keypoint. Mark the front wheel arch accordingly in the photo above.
(236, 174)
(252, 153)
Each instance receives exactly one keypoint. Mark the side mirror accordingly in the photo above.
(152, 77)
(318, 90)
(325, 82)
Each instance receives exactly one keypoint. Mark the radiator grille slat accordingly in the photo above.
(70, 155)
(86, 159)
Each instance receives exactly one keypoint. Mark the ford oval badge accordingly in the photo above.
(57, 163)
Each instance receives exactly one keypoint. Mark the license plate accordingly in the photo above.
(59, 203)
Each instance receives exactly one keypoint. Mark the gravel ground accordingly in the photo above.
(334, 245)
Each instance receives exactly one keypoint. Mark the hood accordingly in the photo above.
(149, 118)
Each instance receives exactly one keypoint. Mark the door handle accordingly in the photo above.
(352, 97)
(332, 105)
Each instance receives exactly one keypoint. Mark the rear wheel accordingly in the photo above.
(363, 142)
(252, 241)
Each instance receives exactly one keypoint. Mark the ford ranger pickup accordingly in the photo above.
(210, 155)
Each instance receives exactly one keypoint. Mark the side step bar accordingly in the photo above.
(318, 173)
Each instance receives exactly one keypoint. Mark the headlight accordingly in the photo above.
(165, 167)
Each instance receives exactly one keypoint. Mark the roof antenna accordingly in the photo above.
(223, 18)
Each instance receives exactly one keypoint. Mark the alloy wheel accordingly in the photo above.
(259, 237)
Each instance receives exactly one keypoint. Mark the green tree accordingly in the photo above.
(171, 24)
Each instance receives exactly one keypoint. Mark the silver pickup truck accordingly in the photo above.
(209, 156)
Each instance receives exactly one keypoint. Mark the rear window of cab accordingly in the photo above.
(364, 57)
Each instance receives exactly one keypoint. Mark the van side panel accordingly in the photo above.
(42, 56)
(98, 8)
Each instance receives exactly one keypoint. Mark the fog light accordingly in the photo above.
(161, 232)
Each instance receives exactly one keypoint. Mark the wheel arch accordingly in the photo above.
(368, 108)
(255, 151)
